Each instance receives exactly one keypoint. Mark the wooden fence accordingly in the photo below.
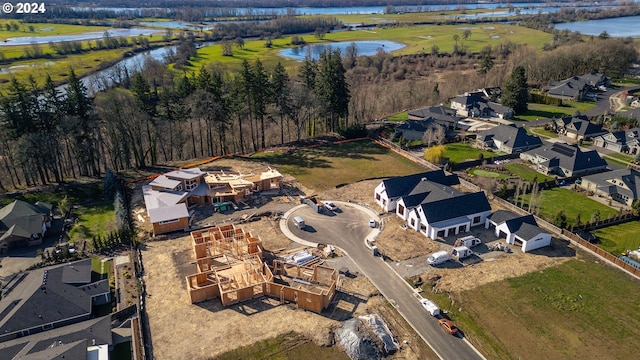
(598, 251)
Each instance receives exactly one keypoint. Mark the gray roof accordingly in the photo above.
(629, 177)
(572, 86)
(584, 127)
(525, 227)
(420, 125)
(161, 198)
(165, 182)
(468, 100)
(168, 213)
(511, 135)
(501, 216)
(41, 344)
(462, 204)
(402, 185)
(78, 272)
(185, 174)
(528, 231)
(41, 297)
(428, 191)
(440, 113)
(22, 219)
(568, 156)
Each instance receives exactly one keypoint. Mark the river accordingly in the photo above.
(628, 26)
(45, 39)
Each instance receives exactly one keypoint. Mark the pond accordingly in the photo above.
(28, 40)
(365, 48)
(616, 27)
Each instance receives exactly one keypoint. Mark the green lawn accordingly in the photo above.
(459, 152)
(100, 268)
(488, 174)
(525, 172)
(580, 309)
(542, 111)
(619, 238)
(327, 166)
(544, 132)
(573, 203)
(401, 116)
(620, 156)
(93, 220)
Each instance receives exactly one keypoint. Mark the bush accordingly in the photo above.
(354, 131)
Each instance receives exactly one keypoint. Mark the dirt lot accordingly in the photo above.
(168, 261)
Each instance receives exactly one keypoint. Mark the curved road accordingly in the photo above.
(347, 230)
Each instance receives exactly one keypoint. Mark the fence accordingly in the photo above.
(619, 219)
(598, 251)
(472, 163)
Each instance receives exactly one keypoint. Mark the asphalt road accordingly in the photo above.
(347, 230)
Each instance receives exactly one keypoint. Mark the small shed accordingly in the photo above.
(521, 229)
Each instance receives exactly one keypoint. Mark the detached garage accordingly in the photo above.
(521, 229)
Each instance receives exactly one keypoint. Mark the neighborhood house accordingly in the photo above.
(168, 196)
(518, 229)
(507, 138)
(576, 87)
(431, 205)
(23, 224)
(622, 185)
(564, 160)
(477, 104)
(625, 141)
(416, 130)
(578, 127)
(441, 114)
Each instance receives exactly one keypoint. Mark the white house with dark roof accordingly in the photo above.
(431, 205)
(507, 138)
(621, 185)
(520, 229)
(564, 160)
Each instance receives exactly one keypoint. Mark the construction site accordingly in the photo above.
(230, 266)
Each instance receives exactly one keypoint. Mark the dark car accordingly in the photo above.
(448, 326)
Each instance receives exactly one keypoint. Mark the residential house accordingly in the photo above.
(579, 128)
(621, 185)
(518, 229)
(564, 160)
(625, 141)
(168, 196)
(416, 129)
(507, 138)
(442, 114)
(23, 224)
(430, 204)
(576, 87)
(50, 298)
(389, 191)
(474, 104)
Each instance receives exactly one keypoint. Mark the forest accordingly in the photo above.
(163, 115)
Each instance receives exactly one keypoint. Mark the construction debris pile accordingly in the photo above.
(366, 337)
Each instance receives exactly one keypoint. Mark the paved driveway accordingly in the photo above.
(347, 230)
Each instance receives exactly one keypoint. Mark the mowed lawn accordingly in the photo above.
(573, 203)
(542, 111)
(525, 172)
(459, 152)
(93, 221)
(327, 166)
(619, 238)
(578, 310)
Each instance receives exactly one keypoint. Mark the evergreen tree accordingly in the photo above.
(332, 89)
(281, 95)
(515, 93)
(109, 185)
(261, 96)
(120, 210)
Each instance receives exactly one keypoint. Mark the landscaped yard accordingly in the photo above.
(401, 116)
(93, 221)
(619, 238)
(572, 203)
(459, 152)
(526, 173)
(100, 268)
(327, 166)
(542, 111)
(620, 156)
(488, 174)
(544, 132)
(578, 310)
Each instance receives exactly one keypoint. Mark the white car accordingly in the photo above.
(372, 223)
(330, 206)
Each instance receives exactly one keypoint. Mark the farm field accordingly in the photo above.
(325, 167)
(418, 39)
(572, 311)
(619, 238)
(572, 203)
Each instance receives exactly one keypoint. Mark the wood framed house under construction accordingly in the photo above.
(230, 266)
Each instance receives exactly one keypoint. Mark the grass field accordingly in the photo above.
(404, 18)
(542, 111)
(526, 173)
(46, 29)
(459, 152)
(401, 116)
(417, 39)
(488, 174)
(619, 156)
(94, 220)
(282, 348)
(101, 269)
(544, 132)
(578, 310)
(619, 238)
(556, 199)
(327, 166)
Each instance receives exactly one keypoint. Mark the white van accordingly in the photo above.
(461, 252)
(438, 257)
(469, 241)
(299, 222)
(432, 308)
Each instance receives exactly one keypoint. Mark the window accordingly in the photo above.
(190, 184)
(178, 187)
(377, 196)
(168, 221)
(423, 228)
(476, 219)
(401, 210)
(413, 222)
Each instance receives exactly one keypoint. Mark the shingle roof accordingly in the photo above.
(186, 174)
(42, 297)
(525, 227)
(585, 127)
(511, 135)
(528, 231)
(78, 272)
(428, 191)
(155, 199)
(167, 213)
(402, 185)
(26, 219)
(165, 182)
(568, 156)
(456, 206)
(420, 125)
(440, 113)
(629, 177)
(501, 216)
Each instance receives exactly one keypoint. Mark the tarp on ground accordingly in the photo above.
(366, 337)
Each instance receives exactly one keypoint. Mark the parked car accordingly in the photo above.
(330, 206)
(438, 257)
(448, 326)
(372, 223)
